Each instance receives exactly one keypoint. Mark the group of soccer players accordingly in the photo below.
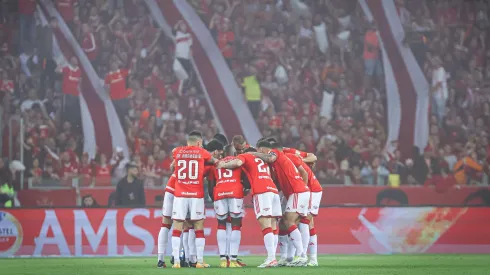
(272, 173)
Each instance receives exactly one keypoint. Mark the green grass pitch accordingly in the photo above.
(329, 264)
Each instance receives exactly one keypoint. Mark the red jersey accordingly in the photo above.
(89, 46)
(302, 154)
(103, 175)
(258, 174)
(228, 182)
(190, 170)
(117, 84)
(287, 174)
(313, 182)
(67, 168)
(37, 172)
(171, 184)
(86, 170)
(67, 9)
(71, 80)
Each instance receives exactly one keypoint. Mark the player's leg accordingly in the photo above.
(221, 210)
(185, 245)
(313, 245)
(163, 240)
(221, 239)
(197, 216)
(316, 198)
(235, 239)
(192, 245)
(283, 243)
(181, 207)
(304, 223)
(297, 204)
(228, 238)
(263, 212)
(167, 207)
(236, 214)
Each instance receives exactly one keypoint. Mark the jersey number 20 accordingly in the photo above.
(187, 169)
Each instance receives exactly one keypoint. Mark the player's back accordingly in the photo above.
(287, 150)
(228, 182)
(189, 169)
(258, 174)
(313, 183)
(287, 174)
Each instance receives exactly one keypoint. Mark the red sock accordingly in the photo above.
(292, 228)
(266, 231)
(166, 225)
(176, 233)
(312, 232)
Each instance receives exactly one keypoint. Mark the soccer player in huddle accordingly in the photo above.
(293, 181)
(266, 200)
(306, 226)
(188, 202)
(226, 187)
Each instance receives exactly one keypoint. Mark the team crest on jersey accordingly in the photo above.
(11, 234)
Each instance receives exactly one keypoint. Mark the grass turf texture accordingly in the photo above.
(329, 264)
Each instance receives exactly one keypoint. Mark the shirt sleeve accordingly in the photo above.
(206, 155)
(242, 158)
(295, 159)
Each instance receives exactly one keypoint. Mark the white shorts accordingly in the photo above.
(267, 205)
(168, 204)
(231, 206)
(188, 208)
(299, 203)
(315, 201)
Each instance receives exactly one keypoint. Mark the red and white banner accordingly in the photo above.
(220, 84)
(406, 87)
(133, 232)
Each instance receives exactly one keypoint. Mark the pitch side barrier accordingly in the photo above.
(112, 232)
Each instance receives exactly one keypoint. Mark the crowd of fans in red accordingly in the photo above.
(261, 38)
(275, 41)
(135, 59)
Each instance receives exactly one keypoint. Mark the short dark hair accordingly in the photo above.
(221, 138)
(195, 134)
(275, 145)
(264, 143)
(250, 149)
(229, 150)
(214, 145)
(271, 139)
(238, 139)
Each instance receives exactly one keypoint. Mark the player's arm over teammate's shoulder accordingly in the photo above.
(267, 158)
(310, 158)
(232, 164)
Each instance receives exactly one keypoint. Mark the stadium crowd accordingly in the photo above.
(293, 54)
(288, 55)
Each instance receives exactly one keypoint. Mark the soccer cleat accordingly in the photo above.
(234, 264)
(298, 261)
(172, 260)
(191, 264)
(268, 264)
(202, 265)
(223, 263)
(161, 264)
(313, 263)
(282, 262)
(176, 265)
(184, 264)
(242, 264)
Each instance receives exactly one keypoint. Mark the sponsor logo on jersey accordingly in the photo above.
(189, 193)
(225, 194)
